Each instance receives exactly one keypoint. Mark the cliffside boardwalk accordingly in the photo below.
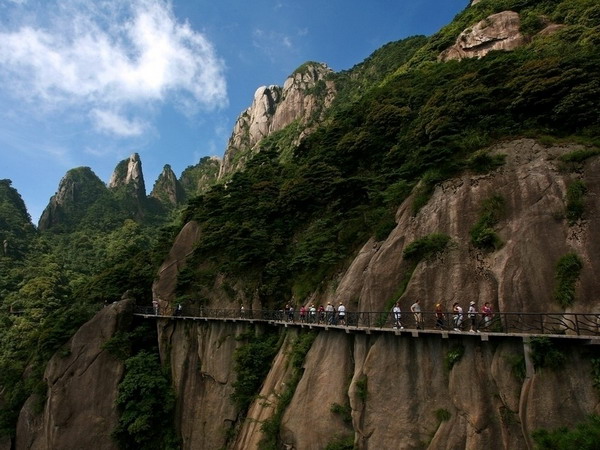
(556, 325)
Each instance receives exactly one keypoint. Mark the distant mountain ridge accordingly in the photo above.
(304, 97)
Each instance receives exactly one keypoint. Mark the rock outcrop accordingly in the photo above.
(77, 190)
(80, 410)
(305, 93)
(163, 288)
(517, 277)
(128, 173)
(167, 189)
(497, 32)
(199, 178)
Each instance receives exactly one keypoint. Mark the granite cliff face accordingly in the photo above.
(305, 94)
(128, 174)
(397, 383)
(80, 409)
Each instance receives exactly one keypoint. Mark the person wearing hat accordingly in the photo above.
(472, 312)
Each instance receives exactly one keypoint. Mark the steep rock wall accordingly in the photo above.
(201, 358)
(517, 277)
(80, 410)
(273, 108)
(399, 389)
(395, 385)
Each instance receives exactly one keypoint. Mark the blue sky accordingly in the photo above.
(89, 82)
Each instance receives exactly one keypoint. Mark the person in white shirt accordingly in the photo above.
(458, 316)
(397, 315)
(472, 313)
(341, 314)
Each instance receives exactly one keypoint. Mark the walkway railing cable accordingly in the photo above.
(579, 324)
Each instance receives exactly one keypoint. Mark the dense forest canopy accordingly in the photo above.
(401, 123)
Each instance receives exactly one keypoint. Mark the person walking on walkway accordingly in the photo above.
(472, 313)
(439, 317)
(487, 313)
(321, 314)
(416, 310)
(330, 312)
(397, 315)
(458, 316)
(155, 307)
(341, 314)
(303, 314)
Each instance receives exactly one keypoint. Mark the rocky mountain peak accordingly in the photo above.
(168, 189)
(77, 190)
(305, 93)
(129, 173)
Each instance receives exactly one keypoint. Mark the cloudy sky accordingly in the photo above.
(89, 82)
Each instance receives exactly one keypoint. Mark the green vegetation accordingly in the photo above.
(585, 436)
(442, 415)
(361, 388)
(579, 156)
(483, 235)
(575, 201)
(146, 402)
(426, 247)
(341, 443)
(454, 355)
(198, 178)
(484, 162)
(546, 354)
(596, 372)
(568, 269)
(252, 363)
(344, 411)
(517, 365)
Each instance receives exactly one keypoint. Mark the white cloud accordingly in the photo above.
(110, 56)
(113, 123)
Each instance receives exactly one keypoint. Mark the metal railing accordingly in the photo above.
(581, 324)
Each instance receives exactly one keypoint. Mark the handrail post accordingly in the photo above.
(542, 323)
(577, 324)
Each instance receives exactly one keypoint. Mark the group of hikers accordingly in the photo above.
(329, 314)
(476, 320)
